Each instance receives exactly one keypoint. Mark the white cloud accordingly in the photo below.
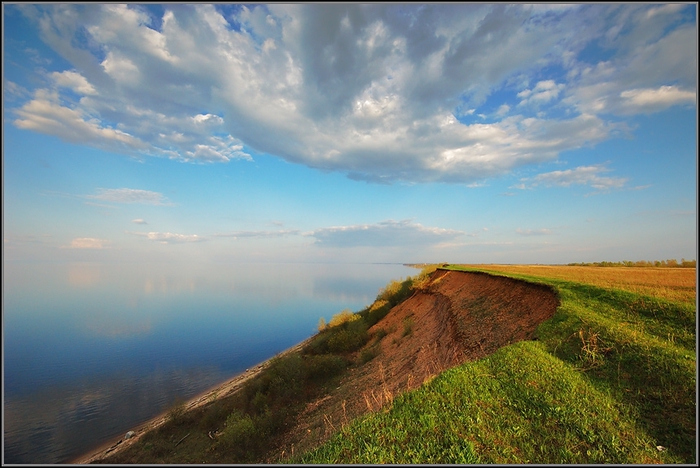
(665, 9)
(646, 61)
(653, 100)
(368, 90)
(46, 115)
(260, 234)
(127, 195)
(533, 232)
(87, 243)
(169, 237)
(502, 110)
(543, 92)
(582, 175)
(138, 221)
(12, 91)
(74, 81)
(383, 234)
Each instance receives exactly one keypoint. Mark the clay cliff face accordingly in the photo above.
(454, 317)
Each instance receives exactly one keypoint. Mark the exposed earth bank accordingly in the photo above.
(453, 317)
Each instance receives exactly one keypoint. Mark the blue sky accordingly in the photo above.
(469, 133)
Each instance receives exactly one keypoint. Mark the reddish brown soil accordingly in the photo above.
(455, 317)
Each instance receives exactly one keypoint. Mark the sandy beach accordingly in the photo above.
(219, 391)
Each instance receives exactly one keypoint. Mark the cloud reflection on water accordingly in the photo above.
(90, 350)
(57, 423)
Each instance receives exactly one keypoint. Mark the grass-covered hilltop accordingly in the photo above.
(469, 364)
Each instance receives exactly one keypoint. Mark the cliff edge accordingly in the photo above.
(453, 317)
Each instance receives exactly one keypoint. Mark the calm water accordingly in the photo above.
(90, 351)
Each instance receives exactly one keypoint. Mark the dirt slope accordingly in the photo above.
(453, 318)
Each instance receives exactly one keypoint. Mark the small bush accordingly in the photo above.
(319, 344)
(176, 414)
(407, 326)
(346, 341)
(396, 292)
(344, 316)
(376, 312)
(349, 334)
(368, 354)
(349, 338)
(325, 366)
(214, 416)
(379, 335)
(286, 377)
(259, 402)
(240, 436)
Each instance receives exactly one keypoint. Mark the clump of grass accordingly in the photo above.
(176, 413)
(240, 435)
(379, 335)
(344, 316)
(396, 292)
(593, 350)
(407, 326)
(368, 354)
(377, 311)
(325, 366)
(214, 415)
(344, 338)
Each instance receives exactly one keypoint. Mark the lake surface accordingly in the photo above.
(92, 350)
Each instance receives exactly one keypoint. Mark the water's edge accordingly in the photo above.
(221, 390)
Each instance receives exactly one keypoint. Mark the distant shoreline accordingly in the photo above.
(221, 390)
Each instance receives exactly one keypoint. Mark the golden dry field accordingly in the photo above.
(675, 284)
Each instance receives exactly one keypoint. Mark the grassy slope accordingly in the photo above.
(612, 376)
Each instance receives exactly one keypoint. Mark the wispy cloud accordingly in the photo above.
(12, 91)
(542, 93)
(169, 237)
(374, 97)
(386, 233)
(127, 195)
(533, 232)
(138, 221)
(582, 175)
(653, 100)
(260, 234)
(45, 114)
(87, 243)
(101, 205)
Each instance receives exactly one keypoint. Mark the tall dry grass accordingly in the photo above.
(676, 284)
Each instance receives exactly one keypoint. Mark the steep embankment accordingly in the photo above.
(449, 317)
(611, 379)
(453, 317)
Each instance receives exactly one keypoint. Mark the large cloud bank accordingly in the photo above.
(385, 93)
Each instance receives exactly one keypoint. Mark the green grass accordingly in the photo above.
(611, 377)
